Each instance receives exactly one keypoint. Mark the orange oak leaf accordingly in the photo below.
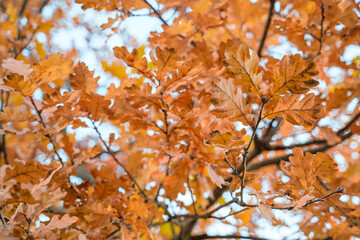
(215, 178)
(15, 114)
(230, 103)
(55, 223)
(294, 75)
(20, 85)
(302, 201)
(295, 109)
(243, 67)
(224, 140)
(174, 183)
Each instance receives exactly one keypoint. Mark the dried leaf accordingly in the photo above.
(302, 201)
(15, 114)
(295, 110)
(243, 67)
(55, 223)
(295, 75)
(265, 211)
(229, 102)
(215, 178)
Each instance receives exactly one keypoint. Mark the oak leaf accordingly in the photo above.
(224, 140)
(243, 67)
(294, 75)
(16, 66)
(302, 201)
(174, 183)
(15, 114)
(230, 103)
(215, 178)
(295, 109)
(20, 85)
(55, 223)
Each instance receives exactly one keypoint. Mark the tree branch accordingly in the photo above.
(321, 31)
(205, 236)
(264, 101)
(316, 141)
(156, 12)
(267, 26)
(277, 160)
(47, 135)
(2, 218)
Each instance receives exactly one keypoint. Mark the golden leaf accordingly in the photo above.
(15, 114)
(18, 84)
(215, 178)
(166, 60)
(303, 112)
(295, 76)
(55, 223)
(224, 140)
(302, 168)
(174, 183)
(230, 103)
(82, 79)
(243, 67)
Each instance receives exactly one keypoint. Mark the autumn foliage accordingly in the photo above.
(214, 124)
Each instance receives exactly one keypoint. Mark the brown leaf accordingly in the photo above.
(55, 223)
(174, 183)
(243, 67)
(302, 201)
(215, 178)
(15, 114)
(229, 102)
(303, 112)
(294, 75)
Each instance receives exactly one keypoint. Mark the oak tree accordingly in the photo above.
(220, 124)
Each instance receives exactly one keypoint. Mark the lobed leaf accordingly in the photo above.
(230, 103)
(297, 111)
(294, 75)
(243, 67)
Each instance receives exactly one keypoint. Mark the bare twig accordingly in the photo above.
(321, 39)
(277, 160)
(2, 218)
(264, 100)
(23, 6)
(190, 189)
(267, 26)
(47, 135)
(236, 236)
(29, 221)
(157, 13)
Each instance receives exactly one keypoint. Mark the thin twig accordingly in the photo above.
(114, 232)
(277, 160)
(28, 220)
(321, 31)
(47, 135)
(2, 219)
(192, 196)
(264, 100)
(157, 13)
(267, 26)
(23, 6)
(236, 236)
(142, 193)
